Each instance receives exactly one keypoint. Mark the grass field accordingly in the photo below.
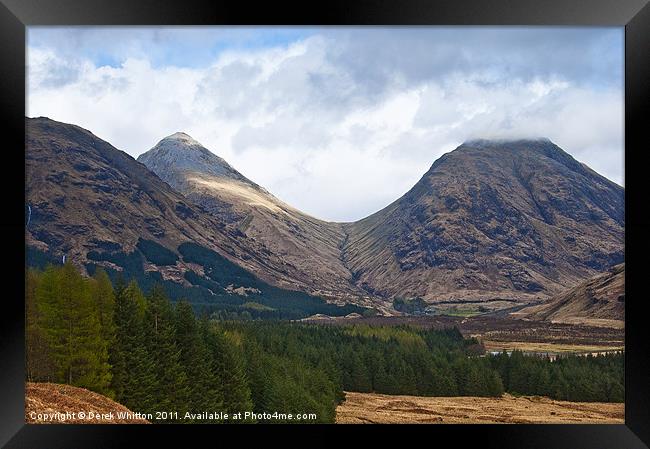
(554, 348)
(371, 408)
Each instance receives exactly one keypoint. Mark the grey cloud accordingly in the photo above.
(423, 53)
(59, 76)
(50, 71)
(322, 118)
(230, 89)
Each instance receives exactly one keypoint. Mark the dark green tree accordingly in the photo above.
(160, 335)
(134, 370)
(229, 368)
(205, 392)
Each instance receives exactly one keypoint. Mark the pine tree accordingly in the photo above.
(38, 363)
(358, 378)
(104, 297)
(257, 375)
(134, 370)
(493, 384)
(230, 370)
(540, 380)
(517, 373)
(558, 385)
(71, 324)
(205, 391)
(473, 382)
(160, 334)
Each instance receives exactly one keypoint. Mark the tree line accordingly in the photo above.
(403, 360)
(598, 378)
(150, 355)
(140, 350)
(390, 360)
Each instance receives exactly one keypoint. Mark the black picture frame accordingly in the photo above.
(634, 15)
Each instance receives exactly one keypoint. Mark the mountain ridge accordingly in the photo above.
(598, 301)
(97, 206)
(522, 221)
(289, 235)
(526, 199)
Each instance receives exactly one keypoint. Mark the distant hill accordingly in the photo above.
(49, 399)
(599, 301)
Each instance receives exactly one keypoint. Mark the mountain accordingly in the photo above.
(85, 195)
(513, 221)
(96, 206)
(599, 301)
(307, 247)
(491, 220)
(180, 153)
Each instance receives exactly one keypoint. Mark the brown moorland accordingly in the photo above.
(49, 399)
(372, 408)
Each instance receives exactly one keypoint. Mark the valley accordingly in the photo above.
(492, 225)
(329, 224)
(496, 283)
(497, 333)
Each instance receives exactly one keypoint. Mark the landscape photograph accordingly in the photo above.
(332, 225)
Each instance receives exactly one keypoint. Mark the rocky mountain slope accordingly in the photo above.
(492, 219)
(288, 237)
(84, 195)
(599, 301)
(96, 205)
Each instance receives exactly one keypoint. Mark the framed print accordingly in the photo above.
(359, 216)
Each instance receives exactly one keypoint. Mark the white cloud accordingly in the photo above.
(300, 119)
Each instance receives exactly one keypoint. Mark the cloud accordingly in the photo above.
(337, 122)
(48, 70)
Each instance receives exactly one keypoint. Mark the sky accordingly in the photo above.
(336, 121)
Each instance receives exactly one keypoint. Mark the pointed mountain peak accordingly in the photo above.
(179, 152)
(179, 135)
(180, 140)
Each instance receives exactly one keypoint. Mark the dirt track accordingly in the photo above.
(371, 408)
